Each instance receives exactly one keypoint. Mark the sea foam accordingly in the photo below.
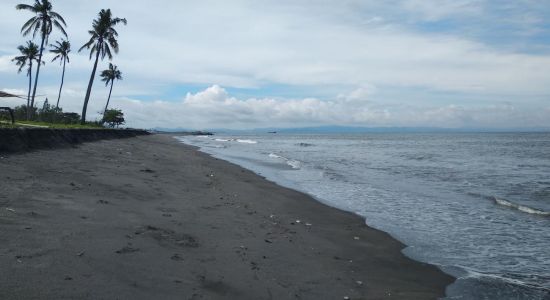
(522, 208)
(247, 141)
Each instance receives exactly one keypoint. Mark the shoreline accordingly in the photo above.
(152, 217)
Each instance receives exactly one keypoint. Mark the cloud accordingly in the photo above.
(381, 50)
(215, 108)
(6, 65)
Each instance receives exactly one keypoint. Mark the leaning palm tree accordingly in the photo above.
(61, 50)
(104, 37)
(29, 54)
(109, 76)
(43, 22)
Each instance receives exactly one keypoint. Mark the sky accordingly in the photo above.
(256, 64)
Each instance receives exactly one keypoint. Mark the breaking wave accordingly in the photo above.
(522, 208)
(295, 164)
(246, 141)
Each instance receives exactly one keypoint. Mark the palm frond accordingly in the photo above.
(94, 49)
(58, 17)
(107, 51)
(60, 27)
(36, 28)
(87, 45)
(114, 43)
(28, 24)
(26, 7)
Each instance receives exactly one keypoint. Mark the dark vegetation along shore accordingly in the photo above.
(149, 218)
(14, 140)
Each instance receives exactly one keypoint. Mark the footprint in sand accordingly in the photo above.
(168, 237)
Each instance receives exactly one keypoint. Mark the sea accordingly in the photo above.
(477, 205)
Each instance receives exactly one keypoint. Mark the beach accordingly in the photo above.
(150, 218)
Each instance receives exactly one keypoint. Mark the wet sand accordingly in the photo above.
(149, 218)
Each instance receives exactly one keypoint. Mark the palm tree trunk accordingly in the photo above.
(109, 98)
(89, 91)
(29, 93)
(37, 73)
(61, 87)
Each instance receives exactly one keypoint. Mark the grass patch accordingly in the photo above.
(35, 124)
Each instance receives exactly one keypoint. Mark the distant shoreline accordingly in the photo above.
(356, 130)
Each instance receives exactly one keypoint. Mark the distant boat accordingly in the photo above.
(272, 132)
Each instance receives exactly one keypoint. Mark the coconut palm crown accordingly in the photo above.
(43, 22)
(103, 42)
(29, 54)
(61, 49)
(109, 76)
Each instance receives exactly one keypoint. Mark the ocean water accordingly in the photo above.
(477, 205)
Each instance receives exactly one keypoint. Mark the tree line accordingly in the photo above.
(103, 43)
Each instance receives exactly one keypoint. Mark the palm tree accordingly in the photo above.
(104, 37)
(109, 76)
(28, 55)
(43, 22)
(61, 49)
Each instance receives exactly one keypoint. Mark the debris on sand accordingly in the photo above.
(127, 249)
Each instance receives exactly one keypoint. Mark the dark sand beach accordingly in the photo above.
(149, 218)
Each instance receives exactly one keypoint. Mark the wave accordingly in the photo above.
(244, 141)
(525, 281)
(419, 156)
(247, 141)
(215, 146)
(522, 208)
(295, 164)
(272, 155)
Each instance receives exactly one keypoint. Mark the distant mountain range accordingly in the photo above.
(350, 129)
